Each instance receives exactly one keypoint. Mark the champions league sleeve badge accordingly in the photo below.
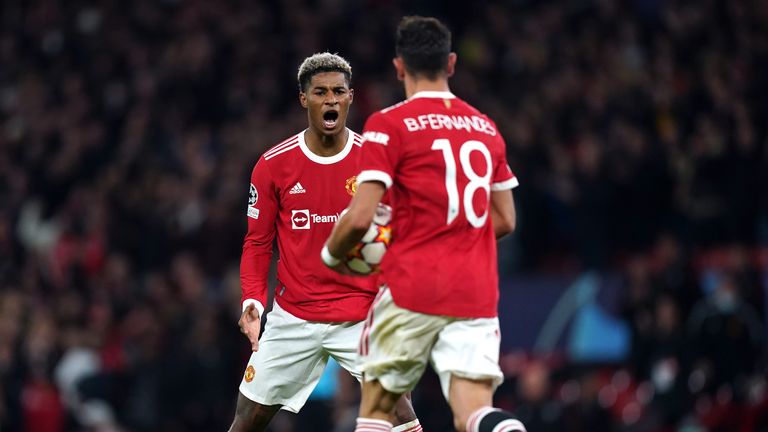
(253, 196)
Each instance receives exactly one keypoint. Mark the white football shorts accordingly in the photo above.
(292, 356)
(397, 343)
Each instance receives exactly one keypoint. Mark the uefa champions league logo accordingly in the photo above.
(253, 196)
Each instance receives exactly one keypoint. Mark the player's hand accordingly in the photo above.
(250, 325)
(340, 267)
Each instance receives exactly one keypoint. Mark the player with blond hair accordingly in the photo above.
(298, 188)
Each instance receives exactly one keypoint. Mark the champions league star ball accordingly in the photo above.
(366, 257)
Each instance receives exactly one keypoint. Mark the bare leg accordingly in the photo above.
(467, 396)
(376, 402)
(404, 412)
(251, 416)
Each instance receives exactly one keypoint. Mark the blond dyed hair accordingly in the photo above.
(319, 63)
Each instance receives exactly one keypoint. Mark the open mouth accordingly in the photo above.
(330, 119)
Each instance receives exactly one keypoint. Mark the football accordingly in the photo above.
(366, 257)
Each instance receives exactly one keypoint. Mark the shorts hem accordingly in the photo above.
(386, 381)
(284, 404)
(445, 379)
(478, 376)
(391, 387)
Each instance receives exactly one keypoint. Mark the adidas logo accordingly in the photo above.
(297, 189)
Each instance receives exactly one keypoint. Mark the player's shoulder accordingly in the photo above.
(386, 119)
(469, 108)
(473, 112)
(466, 108)
(286, 146)
(393, 110)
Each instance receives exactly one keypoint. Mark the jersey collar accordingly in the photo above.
(433, 94)
(326, 160)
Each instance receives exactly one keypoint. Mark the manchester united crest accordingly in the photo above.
(250, 372)
(351, 185)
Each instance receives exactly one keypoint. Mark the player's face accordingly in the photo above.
(327, 102)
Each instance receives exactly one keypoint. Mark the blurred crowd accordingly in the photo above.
(128, 130)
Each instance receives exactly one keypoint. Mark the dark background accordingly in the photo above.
(638, 131)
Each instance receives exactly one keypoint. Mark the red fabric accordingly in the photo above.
(43, 411)
(440, 262)
(294, 192)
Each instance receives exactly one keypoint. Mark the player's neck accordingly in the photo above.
(326, 145)
(415, 85)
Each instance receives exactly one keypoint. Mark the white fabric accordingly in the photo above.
(508, 425)
(433, 94)
(374, 175)
(327, 258)
(411, 425)
(256, 304)
(398, 343)
(506, 184)
(292, 356)
(372, 425)
(327, 160)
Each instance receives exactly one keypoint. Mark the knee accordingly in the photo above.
(251, 416)
(377, 401)
(404, 412)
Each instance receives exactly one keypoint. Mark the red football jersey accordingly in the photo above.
(440, 158)
(298, 195)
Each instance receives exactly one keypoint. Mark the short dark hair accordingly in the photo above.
(424, 44)
(319, 63)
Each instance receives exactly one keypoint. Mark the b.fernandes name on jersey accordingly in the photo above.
(454, 122)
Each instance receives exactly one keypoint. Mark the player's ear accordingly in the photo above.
(351, 95)
(450, 68)
(303, 99)
(399, 67)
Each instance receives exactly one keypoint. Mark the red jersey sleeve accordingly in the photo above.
(257, 245)
(381, 151)
(503, 178)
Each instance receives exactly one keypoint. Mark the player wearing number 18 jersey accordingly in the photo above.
(447, 157)
(450, 187)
